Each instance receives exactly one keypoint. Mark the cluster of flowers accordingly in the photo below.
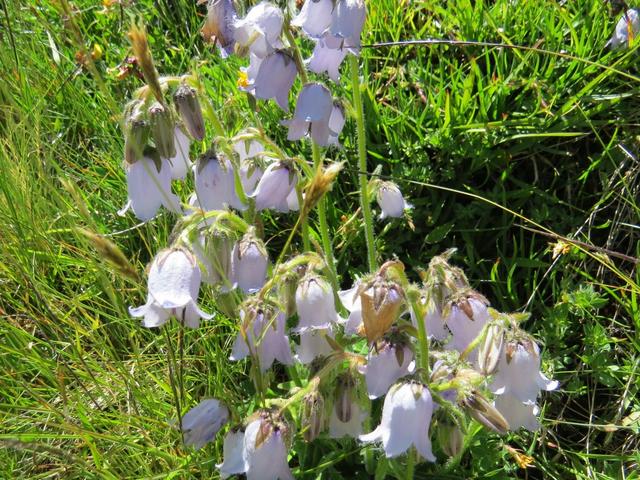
(433, 351)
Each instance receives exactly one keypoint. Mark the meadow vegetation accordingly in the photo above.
(524, 159)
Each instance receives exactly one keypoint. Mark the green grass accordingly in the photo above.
(471, 133)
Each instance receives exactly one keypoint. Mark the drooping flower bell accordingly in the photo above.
(336, 122)
(313, 344)
(627, 29)
(312, 114)
(215, 183)
(347, 414)
(218, 27)
(314, 17)
(249, 263)
(173, 287)
(386, 363)
(433, 321)
(390, 200)
(149, 186)
(266, 443)
(517, 413)
(328, 54)
(263, 336)
(315, 304)
(180, 163)
(350, 300)
(406, 417)
(347, 21)
(260, 30)
(271, 77)
(519, 372)
(277, 182)
(202, 422)
(466, 319)
(232, 453)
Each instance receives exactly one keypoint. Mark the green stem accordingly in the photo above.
(365, 201)
(174, 390)
(411, 462)
(423, 341)
(327, 245)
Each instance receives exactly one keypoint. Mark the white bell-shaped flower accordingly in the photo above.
(149, 187)
(336, 123)
(266, 337)
(315, 17)
(218, 27)
(180, 163)
(260, 30)
(274, 187)
(390, 200)
(347, 22)
(202, 422)
(312, 114)
(519, 372)
(351, 301)
(386, 366)
(250, 173)
(351, 428)
(290, 203)
(233, 454)
(315, 304)
(313, 344)
(271, 77)
(249, 263)
(466, 320)
(173, 286)
(627, 28)
(265, 458)
(328, 54)
(516, 413)
(215, 184)
(433, 321)
(406, 417)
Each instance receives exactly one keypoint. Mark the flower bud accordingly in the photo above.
(391, 201)
(312, 415)
(135, 140)
(250, 261)
(481, 410)
(188, 106)
(214, 251)
(344, 397)
(451, 439)
(490, 350)
(201, 423)
(162, 130)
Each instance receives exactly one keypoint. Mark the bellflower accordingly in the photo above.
(221, 15)
(260, 30)
(180, 163)
(173, 286)
(249, 263)
(391, 201)
(265, 337)
(466, 320)
(315, 17)
(313, 345)
(519, 372)
(202, 422)
(149, 187)
(516, 413)
(346, 415)
(215, 184)
(274, 187)
(327, 56)
(312, 114)
(351, 301)
(627, 29)
(232, 454)
(290, 203)
(336, 123)
(315, 305)
(347, 22)
(433, 321)
(386, 366)
(406, 416)
(265, 451)
(271, 77)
